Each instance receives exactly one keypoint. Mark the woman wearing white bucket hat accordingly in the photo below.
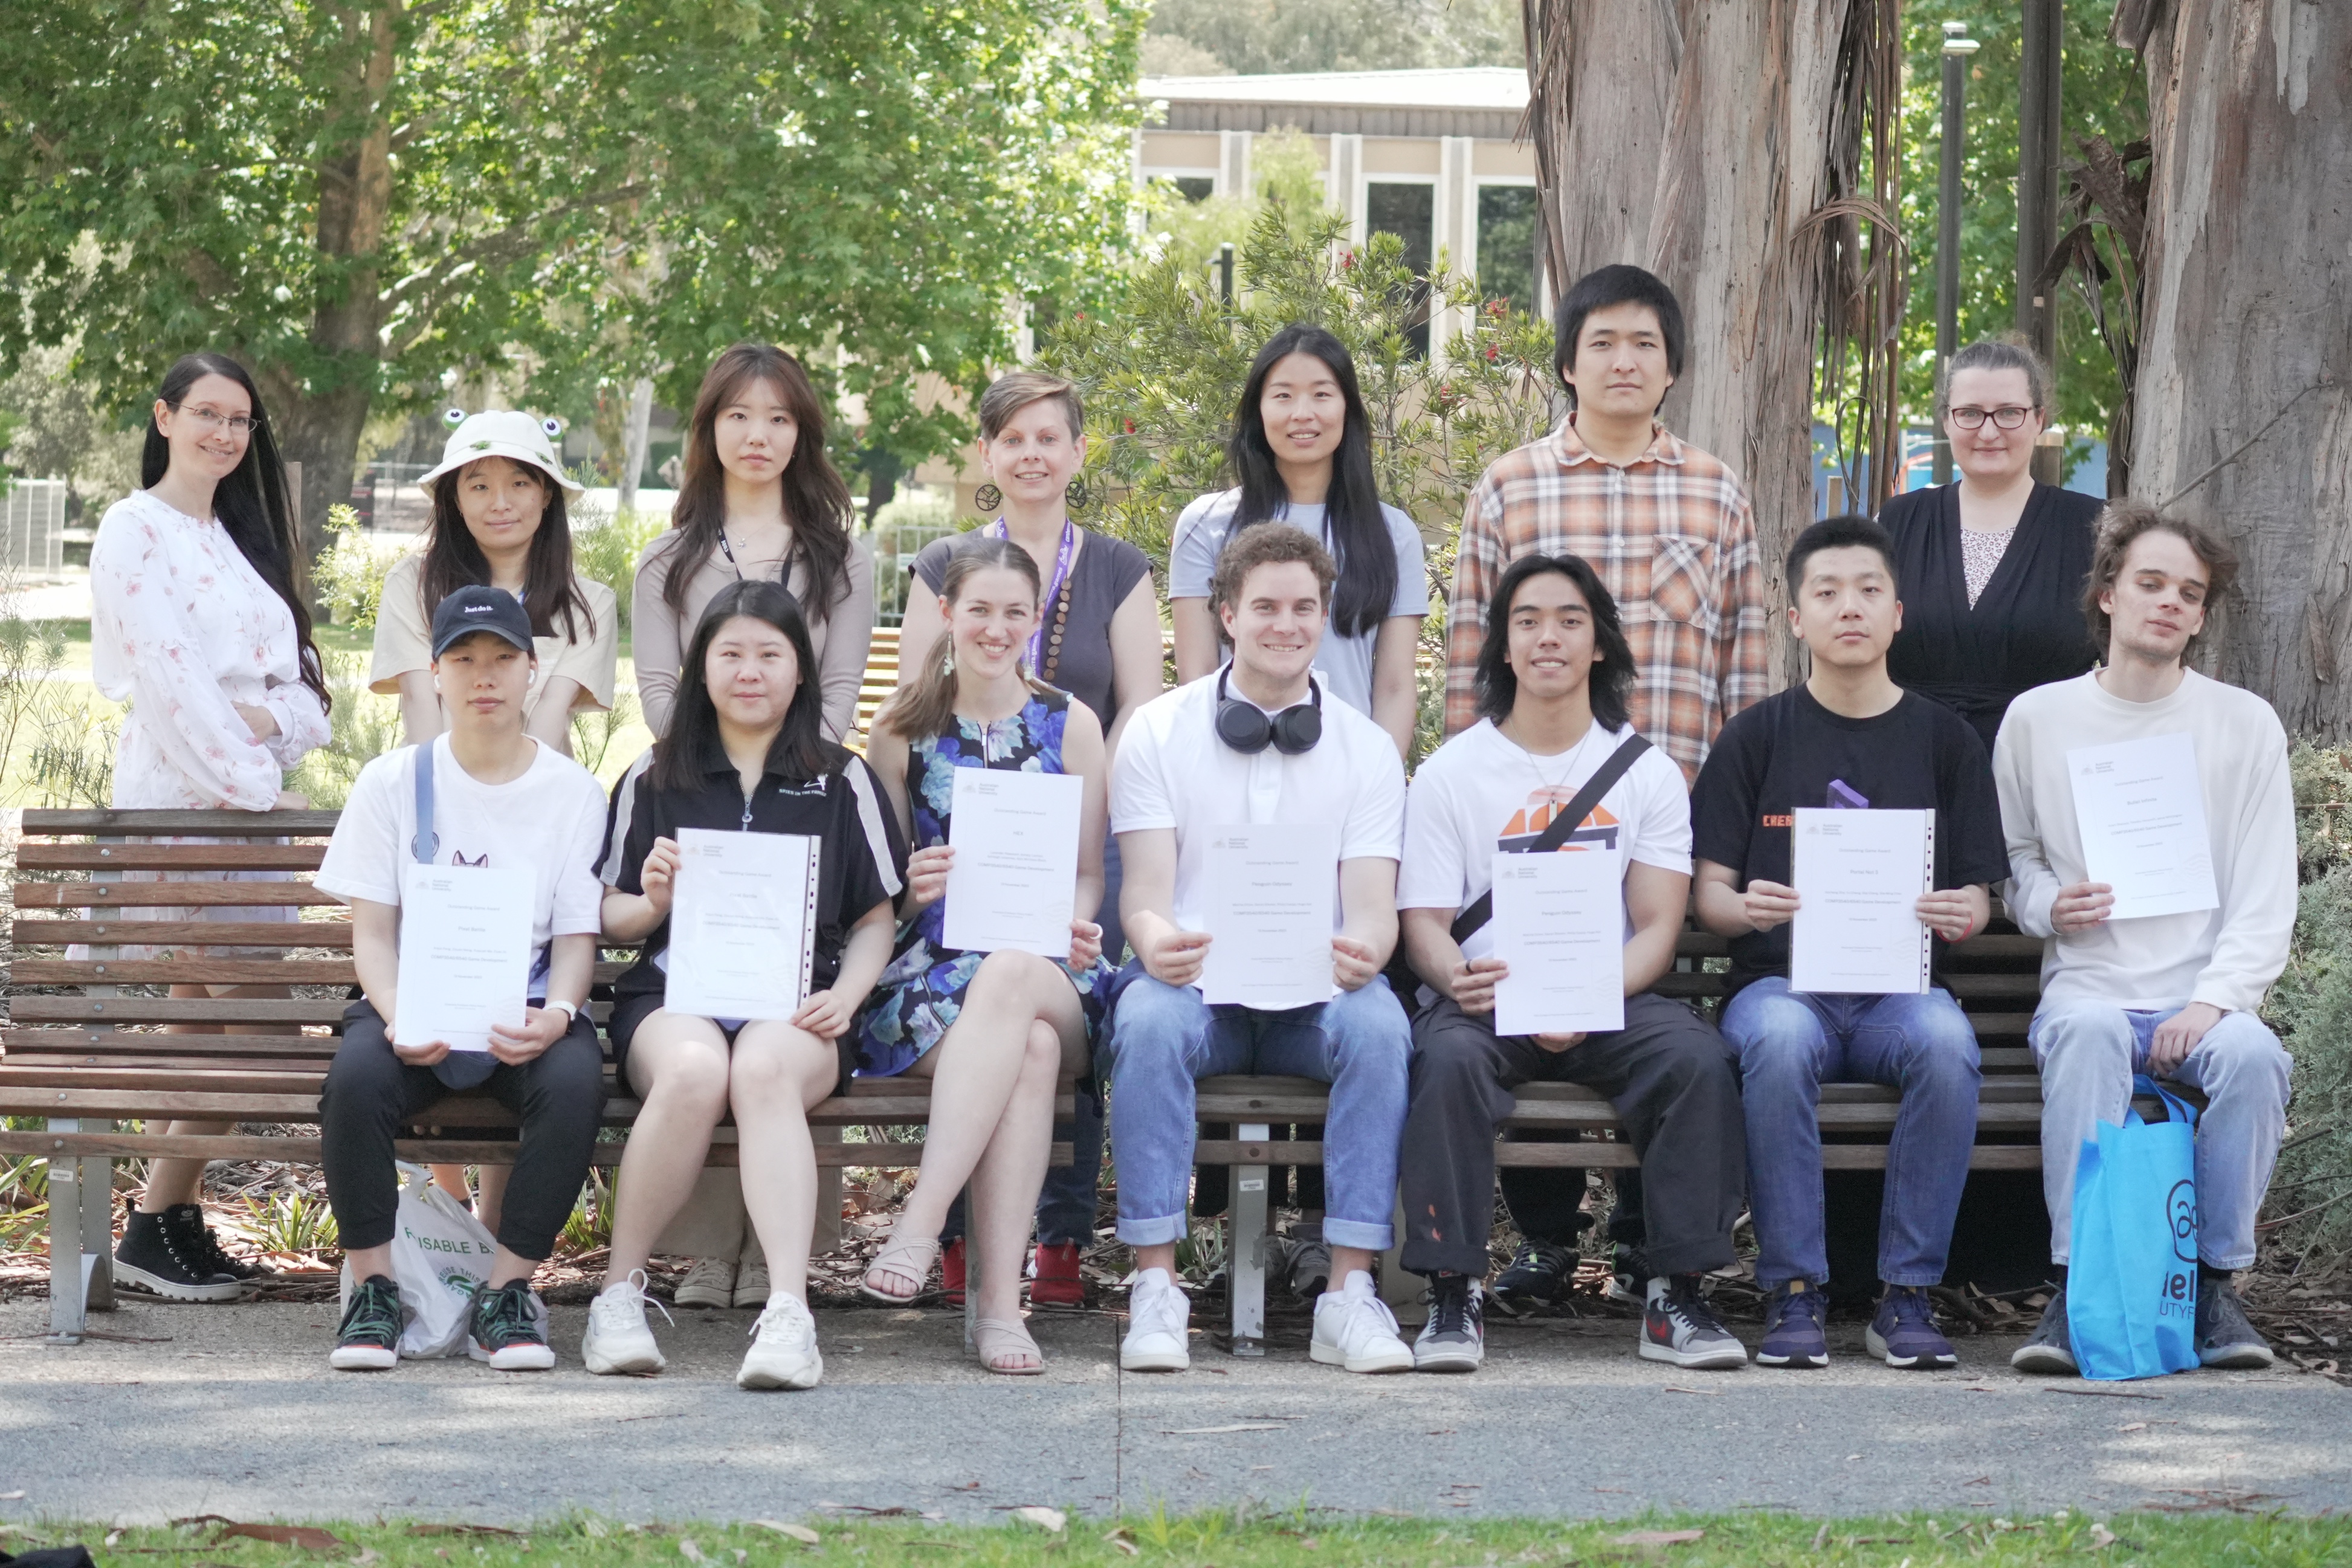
(499, 519)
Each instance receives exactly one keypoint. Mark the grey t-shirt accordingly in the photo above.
(1346, 662)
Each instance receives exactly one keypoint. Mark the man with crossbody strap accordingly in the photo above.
(1554, 765)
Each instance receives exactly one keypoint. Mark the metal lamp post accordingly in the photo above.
(1958, 48)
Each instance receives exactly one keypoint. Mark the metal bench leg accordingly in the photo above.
(98, 1232)
(827, 1237)
(1247, 1238)
(69, 1265)
(1401, 1290)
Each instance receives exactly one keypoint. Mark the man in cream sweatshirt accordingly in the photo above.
(2171, 995)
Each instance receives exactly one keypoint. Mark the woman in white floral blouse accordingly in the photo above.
(196, 622)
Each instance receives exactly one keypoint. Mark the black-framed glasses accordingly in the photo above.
(213, 419)
(2007, 416)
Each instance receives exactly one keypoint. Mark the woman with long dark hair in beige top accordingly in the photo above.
(759, 499)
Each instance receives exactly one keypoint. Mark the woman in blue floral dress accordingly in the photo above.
(998, 1033)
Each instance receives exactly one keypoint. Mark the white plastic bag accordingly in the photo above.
(440, 1256)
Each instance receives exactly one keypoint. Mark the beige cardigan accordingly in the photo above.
(842, 637)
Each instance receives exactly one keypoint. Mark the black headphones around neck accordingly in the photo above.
(1250, 729)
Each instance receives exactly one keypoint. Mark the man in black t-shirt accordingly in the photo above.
(1848, 738)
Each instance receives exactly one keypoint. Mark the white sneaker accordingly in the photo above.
(783, 1351)
(1158, 1316)
(1355, 1329)
(619, 1340)
(709, 1283)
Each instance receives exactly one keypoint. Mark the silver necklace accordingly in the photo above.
(1573, 754)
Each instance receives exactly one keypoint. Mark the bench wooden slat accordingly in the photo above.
(146, 894)
(219, 824)
(305, 1151)
(104, 1044)
(169, 857)
(199, 969)
(176, 1010)
(170, 933)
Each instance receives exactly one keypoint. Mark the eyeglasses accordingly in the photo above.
(2008, 416)
(213, 419)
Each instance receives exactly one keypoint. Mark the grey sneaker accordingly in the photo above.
(1310, 1268)
(1454, 1337)
(2224, 1338)
(2051, 1352)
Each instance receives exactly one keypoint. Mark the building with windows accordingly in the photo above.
(1429, 156)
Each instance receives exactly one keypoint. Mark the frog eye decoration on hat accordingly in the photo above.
(503, 432)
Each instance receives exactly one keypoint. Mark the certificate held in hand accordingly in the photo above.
(2141, 809)
(1270, 894)
(464, 954)
(1014, 882)
(1560, 924)
(742, 924)
(1859, 875)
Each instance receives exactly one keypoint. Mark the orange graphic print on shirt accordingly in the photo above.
(1598, 831)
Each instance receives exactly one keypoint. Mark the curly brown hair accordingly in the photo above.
(2123, 522)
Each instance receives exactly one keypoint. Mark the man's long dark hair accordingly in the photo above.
(816, 499)
(252, 502)
(1498, 685)
(453, 559)
(1358, 532)
(692, 751)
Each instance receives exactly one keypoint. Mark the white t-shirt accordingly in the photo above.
(1171, 772)
(1479, 794)
(1345, 662)
(552, 821)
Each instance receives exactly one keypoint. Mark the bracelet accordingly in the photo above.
(570, 1010)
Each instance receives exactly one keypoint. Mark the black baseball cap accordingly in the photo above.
(476, 606)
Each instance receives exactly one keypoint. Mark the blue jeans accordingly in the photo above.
(1163, 1037)
(2088, 1052)
(1789, 1044)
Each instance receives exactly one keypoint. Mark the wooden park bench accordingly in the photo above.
(86, 1056)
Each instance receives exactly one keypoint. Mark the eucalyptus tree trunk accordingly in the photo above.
(1716, 143)
(2243, 416)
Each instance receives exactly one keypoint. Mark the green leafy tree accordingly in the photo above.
(2104, 95)
(372, 203)
(1212, 37)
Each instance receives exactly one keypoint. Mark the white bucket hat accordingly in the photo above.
(503, 432)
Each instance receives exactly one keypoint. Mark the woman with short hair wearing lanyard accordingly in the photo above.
(1098, 638)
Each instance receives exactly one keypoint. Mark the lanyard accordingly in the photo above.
(1062, 557)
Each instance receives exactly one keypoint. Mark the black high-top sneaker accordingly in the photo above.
(170, 1255)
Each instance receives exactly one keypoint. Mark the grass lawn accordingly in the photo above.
(1247, 1538)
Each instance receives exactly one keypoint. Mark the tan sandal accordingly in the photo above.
(901, 1260)
(998, 1340)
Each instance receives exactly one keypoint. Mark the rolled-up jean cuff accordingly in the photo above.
(1151, 1232)
(1358, 1233)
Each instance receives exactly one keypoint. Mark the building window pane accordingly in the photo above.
(1410, 212)
(1506, 245)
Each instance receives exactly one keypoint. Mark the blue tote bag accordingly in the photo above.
(2131, 1284)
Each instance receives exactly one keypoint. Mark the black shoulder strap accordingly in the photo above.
(1563, 822)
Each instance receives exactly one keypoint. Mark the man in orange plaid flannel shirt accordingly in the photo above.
(1666, 526)
(1669, 529)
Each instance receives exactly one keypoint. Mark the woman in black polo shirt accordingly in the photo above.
(745, 752)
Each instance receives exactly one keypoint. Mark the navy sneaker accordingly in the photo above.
(1539, 1272)
(2224, 1338)
(1903, 1333)
(1794, 1326)
(1680, 1328)
(369, 1338)
(2051, 1350)
(506, 1329)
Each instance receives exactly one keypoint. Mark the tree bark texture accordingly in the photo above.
(326, 402)
(1698, 141)
(2245, 391)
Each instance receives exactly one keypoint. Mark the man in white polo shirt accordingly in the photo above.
(1256, 744)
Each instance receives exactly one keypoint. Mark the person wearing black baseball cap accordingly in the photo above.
(485, 793)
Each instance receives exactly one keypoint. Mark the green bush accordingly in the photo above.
(2311, 1007)
(348, 580)
(363, 727)
(606, 547)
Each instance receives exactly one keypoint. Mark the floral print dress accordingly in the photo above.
(920, 994)
(183, 629)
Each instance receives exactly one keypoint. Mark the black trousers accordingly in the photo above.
(370, 1093)
(1673, 1081)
